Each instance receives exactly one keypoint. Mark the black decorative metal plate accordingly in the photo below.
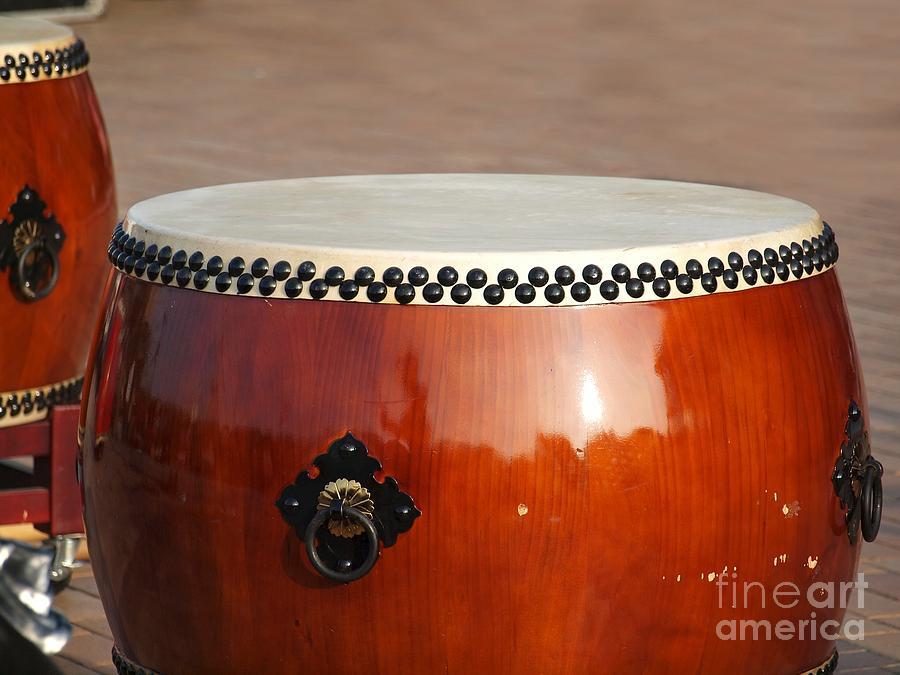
(394, 512)
(35, 235)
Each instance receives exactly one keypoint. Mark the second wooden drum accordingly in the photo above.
(475, 424)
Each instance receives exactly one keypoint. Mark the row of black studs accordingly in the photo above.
(125, 666)
(14, 405)
(61, 61)
(797, 259)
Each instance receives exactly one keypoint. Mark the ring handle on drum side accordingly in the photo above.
(870, 498)
(344, 515)
(22, 280)
(344, 572)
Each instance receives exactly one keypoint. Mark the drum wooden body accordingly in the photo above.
(57, 203)
(584, 475)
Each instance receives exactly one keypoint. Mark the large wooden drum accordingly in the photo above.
(57, 203)
(474, 424)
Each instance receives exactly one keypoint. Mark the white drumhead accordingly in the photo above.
(472, 221)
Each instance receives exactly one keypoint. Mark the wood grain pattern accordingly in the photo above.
(653, 445)
(54, 142)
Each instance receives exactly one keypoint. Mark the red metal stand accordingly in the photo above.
(49, 496)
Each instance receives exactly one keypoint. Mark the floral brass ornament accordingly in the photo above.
(344, 515)
(351, 493)
(30, 243)
(857, 479)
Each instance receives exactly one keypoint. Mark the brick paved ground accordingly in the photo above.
(800, 99)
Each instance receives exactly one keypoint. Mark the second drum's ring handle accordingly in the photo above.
(338, 510)
(870, 499)
(25, 289)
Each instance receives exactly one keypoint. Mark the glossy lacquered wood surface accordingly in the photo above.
(582, 473)
(55, 143)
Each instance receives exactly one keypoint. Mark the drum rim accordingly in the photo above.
(58, 55)
(229, 266)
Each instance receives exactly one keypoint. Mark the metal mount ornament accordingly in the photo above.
(30, 243)
(344, 515)
(857, 479)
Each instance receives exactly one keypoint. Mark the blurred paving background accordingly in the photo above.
(800, 99)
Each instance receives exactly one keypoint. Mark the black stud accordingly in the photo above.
(306, 270)
(282, 270)
(770, 256)
(293, 287)
(749, 274)
(348, 289)
(782, 271)
(668, 269)
(592, 274)
(538, 276)
(259, 268)
(150, 253)
(796, 250)
(153, 270)
(223, 282)
(693, 268)
(708, 282)
(755, 258)
(376, 291)
(621, 273)
(493, 294)
(525, 293)
(364, 276)
(318, 289)
(447, 276)
(807, 263)
(140, 266)
(817, 261)
(476, 278)
(554, 294)
(214, 266)
(334, 276)
(684, 283)
(507, 278)
(785, 253)
(807, 246)
(236, 266)
(167, 274)
(767, 273)
(392, 276)
(129, 244)
(580, 292)
(564, 275)
(129, 263)
(715, 266)
(245, 283)
(267, 285)
(164, 255)
(179, 259)
(730, 278)
(195, 262)
(609, 290)
(201, 279)
(634, 287)
(460, 294)
(183, 276)
(646, 272)
(417, 276)
(735, 261)
(433, 292)
(661, 287)
(405, 293)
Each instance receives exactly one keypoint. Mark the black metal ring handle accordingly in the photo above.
(336, 509)
(24, 288)
(870, 498)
